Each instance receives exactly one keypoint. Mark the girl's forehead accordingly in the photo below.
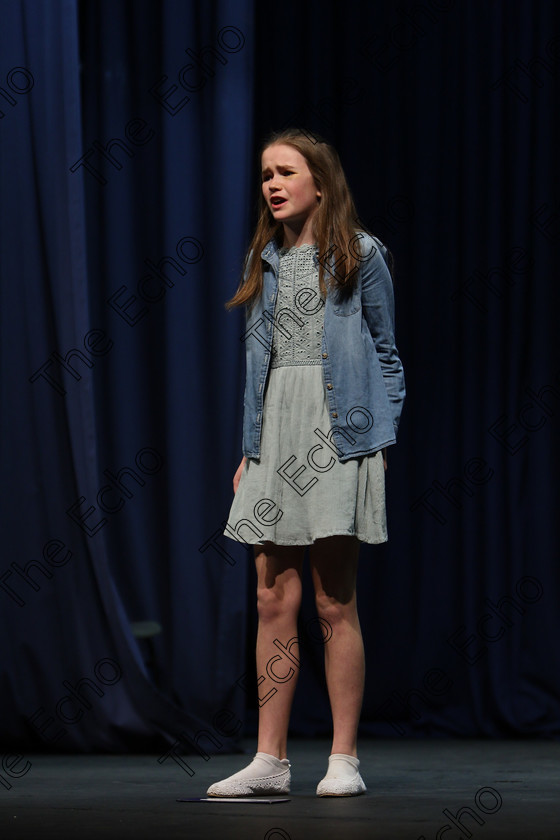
(280, 154)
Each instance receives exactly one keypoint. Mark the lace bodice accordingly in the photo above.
(299, 311)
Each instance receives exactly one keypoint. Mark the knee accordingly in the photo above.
(333, 611)
(273, 603)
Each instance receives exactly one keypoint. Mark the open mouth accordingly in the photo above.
(277, 201)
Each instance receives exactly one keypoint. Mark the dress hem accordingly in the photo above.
(314, 539)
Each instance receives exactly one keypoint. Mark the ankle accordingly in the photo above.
(345, 749)
(277, 750)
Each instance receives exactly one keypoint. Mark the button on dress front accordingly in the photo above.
(299, 491)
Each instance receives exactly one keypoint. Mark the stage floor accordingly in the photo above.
(494, 789)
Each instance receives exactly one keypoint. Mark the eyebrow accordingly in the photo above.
(281, 166)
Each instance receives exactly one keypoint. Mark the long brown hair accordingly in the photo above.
(335, 222)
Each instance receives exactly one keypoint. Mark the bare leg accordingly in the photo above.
(334, 565)
(278, 602)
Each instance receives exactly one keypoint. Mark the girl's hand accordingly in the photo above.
(384, 457)
(237, 475)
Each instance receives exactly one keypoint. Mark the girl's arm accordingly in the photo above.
(237, 475)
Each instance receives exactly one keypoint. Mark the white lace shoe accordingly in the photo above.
(343, 777)
(265, 775)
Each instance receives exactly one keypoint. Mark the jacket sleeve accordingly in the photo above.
(378, 307)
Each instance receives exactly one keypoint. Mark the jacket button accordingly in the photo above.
(329, 387)
(334, 414)
(325, 355)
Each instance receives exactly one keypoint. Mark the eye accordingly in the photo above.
(266, 176)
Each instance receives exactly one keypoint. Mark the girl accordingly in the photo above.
(323, 397)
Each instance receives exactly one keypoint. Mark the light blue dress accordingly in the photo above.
(299, 491)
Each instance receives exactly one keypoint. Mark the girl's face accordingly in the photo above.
(288, 186)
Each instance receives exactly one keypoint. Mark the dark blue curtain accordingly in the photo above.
(128, 183)
(123, 234)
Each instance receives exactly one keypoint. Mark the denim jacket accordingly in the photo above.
(362, 371)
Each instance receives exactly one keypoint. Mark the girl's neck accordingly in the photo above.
(298, 236)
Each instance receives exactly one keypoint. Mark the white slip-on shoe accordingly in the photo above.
(266, 774)
(343, 777)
